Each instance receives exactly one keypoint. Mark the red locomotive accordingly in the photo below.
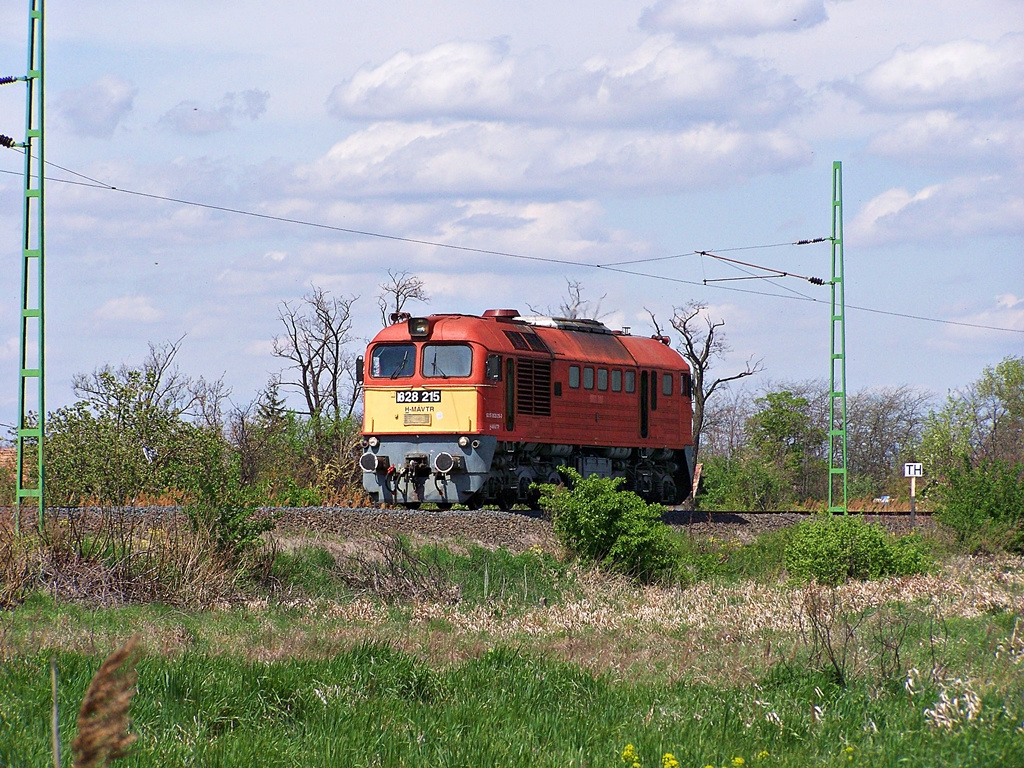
(474, 410)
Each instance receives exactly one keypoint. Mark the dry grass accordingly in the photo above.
(103, 724)
(713, 632)
(119, 558)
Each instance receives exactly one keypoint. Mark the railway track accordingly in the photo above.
(514, 530)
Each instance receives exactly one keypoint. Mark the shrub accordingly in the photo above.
(615, 529)
(831, 550)
(225, 509)
(984, 506)
(748, 481)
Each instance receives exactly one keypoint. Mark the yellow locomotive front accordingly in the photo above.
(424, 398)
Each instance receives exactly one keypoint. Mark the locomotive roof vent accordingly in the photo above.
(567, 324)
(500, 313)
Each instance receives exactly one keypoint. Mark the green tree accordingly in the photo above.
(984, 421)
(974, 448)
(133, 432)
(785, 434)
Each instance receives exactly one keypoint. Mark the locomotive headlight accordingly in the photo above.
(373, 442)
(463, 442)
(419, 327)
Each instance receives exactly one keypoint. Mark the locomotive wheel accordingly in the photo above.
(506, 500)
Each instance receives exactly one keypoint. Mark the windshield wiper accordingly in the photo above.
(398, 371)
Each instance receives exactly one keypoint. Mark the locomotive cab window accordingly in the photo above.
(588, 378)
(574, 376)
(686, 385)
(616, 381)
(602, 379)
(444, 361)
(631, 381)
(666, 384)
(393, 361)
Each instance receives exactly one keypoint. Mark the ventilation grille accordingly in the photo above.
(526, 341)
(533, 387)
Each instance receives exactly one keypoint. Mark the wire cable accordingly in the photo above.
(609, 267)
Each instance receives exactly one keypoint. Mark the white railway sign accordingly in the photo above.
(913, 469)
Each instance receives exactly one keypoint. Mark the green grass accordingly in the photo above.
(458, 696)
(375, 706)
(499, 576)
(309, 569)
(703, 558)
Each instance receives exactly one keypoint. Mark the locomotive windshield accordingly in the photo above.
(447, 360)
(393, 361)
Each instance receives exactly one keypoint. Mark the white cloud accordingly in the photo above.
(962, 207)
(9, 348)
(700, 18)
(194, 119)
(129, 309)
(260, 348)
(97, 109)
(276, 255)
(660, 80)
(1006, 311)
(954, 74)
(939, 136)
(473, 158)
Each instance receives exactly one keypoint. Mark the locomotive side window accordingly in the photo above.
(588, 378)
(393, 361)
(574, 376)
(666, 384)
(616, 381)
(686, 385)
(602, 379)
(631, 381)
(447, 360)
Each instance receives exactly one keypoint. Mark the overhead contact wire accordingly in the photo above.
(610, 267)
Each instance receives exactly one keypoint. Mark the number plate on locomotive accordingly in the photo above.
(418, 396)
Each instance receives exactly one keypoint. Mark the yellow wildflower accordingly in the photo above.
(668, 760)
(630, 756)
(738, 762)
(763, 754)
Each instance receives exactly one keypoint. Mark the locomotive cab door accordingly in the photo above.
(645, 386)
(510, 395)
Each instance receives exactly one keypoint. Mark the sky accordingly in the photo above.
(572, 135)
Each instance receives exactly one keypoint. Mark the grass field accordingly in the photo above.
(450, 654)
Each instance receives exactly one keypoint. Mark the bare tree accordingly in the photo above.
(317, 331)
(885, 425)
(574, 305)
(398, 290)
(702, 342)
(724, 432)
